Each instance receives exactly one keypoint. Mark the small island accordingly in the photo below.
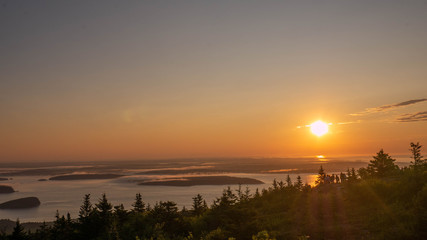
(3, 179)
(85, 177)
(204, 180)
(6, 189)
(21, 203)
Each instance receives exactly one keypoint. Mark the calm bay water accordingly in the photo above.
(66, 196)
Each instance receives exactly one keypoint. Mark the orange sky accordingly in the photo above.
(210, 79)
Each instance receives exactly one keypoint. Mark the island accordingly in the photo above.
(3, 179)
(203, 180)
(85, 177)
(6, 189)
(21, 203)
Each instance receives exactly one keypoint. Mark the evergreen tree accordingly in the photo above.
(416, 154)
(18, 232)
(199, 205)
(85, 209)
(257, 195)
(382, 165)
(288, 181)
(104, 207)
(228, 198)
(299, 183)
(139, 205)
(42, 233)
(247, 194)
(275, 185)
(321, 176)
(103, 218)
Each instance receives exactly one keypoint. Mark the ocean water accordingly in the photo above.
(67, 196)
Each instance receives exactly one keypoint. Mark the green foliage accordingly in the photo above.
(382, 165)
(263, 235)
(199, 205)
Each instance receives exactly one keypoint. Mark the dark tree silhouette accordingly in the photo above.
(139, 205)
(85, 209)
(299, 183)
(382, 165)
(18, 232)
(199, 205)
(321, 176)
(288, 181)
(416, 154)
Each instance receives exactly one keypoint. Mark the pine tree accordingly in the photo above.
(382, 165)
(139, 205)
(199, 205)
(321, 176)
(275, 185)
(299, 183)
(416, 154)
(288, 181)
(104, 215)
(18, 232)
(85, 209)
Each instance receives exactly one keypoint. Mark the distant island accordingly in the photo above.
(3, 179)
(205, 180)
(21, 203)
(6, 189)
(85, 177)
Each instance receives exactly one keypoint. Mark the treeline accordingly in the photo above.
(381, 201)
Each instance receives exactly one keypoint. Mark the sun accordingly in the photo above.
(319, 128)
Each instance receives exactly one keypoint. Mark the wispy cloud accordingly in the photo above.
(388, 107)
(413, 117)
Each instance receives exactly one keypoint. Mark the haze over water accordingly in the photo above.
(66, 196)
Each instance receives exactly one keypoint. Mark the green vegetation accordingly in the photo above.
(380, 201)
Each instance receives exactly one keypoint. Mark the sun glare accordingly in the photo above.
(319, 128)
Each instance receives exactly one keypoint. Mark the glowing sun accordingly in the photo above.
(319, 128)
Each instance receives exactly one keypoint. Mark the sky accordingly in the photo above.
(115, 80)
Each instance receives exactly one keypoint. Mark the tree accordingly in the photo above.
(288, 181)
(199, 205)
(416, 154)
(321, 176)
(18, 232)
(275, 184)
(104, 214)
(299, 183)
(228, 198)
(85, 209)
(104, 207)
(382, 165)
(139, 205)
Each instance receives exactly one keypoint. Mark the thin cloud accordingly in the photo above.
(389, 107)
(413, 117)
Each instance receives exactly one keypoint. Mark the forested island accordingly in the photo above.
(379, 201)
(21, 203)
(203, 180)
(6, 189)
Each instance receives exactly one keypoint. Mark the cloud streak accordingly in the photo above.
(388, 107)
(413, 117)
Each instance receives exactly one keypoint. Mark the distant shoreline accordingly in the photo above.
(84, 177)
(205, 180)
